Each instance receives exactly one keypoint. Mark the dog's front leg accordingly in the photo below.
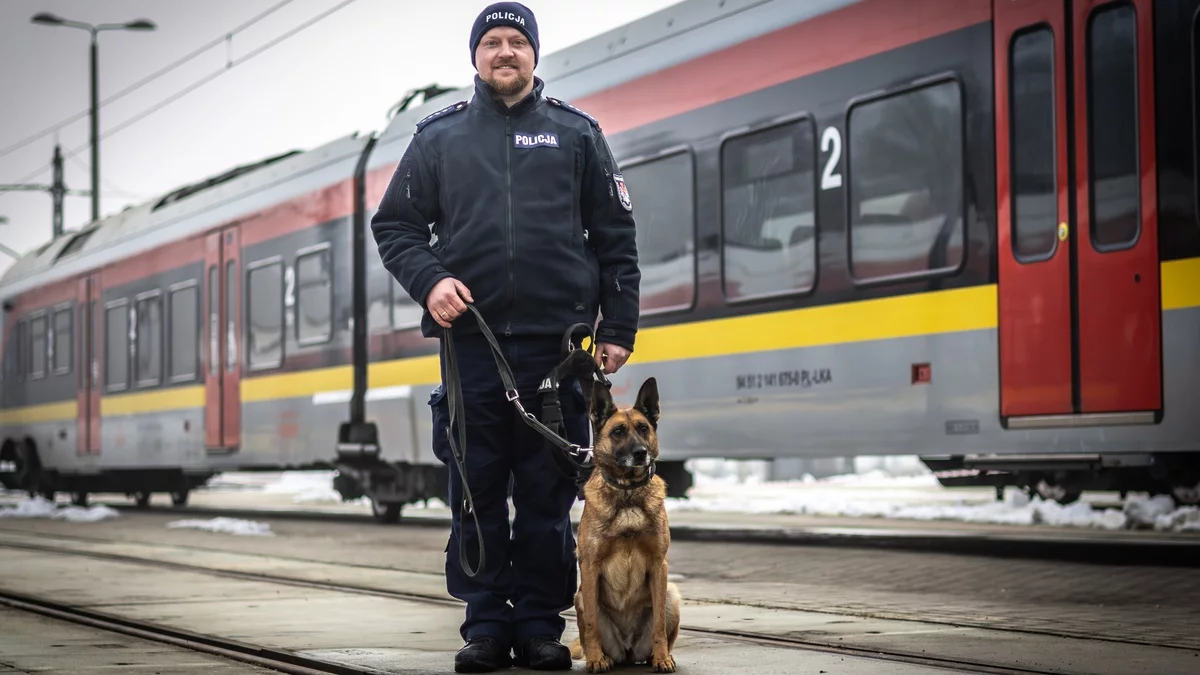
(660, 659)
(589, 622)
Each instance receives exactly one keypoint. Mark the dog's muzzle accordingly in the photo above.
(637, 456)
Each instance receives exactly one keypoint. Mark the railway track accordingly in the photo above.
(291, 662)
(1108, 547)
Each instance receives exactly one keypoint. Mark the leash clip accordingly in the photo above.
(511, 395)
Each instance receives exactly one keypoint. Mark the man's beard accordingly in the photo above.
(508, 87)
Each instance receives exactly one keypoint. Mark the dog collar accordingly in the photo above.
(630, 486)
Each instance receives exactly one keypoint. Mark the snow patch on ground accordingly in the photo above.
(39, 507)
(235, 526)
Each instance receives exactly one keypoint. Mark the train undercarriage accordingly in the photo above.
(1063, 477)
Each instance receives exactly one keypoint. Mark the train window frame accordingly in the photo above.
(30, 342)
(1091, 129)
(20, 336)
(61, 309)
(247, 308)
(661, 155)
(135, 319)
(108, 385)
(169, 329)
(931, 80)
(1012, 143)
(1196, 115)
(750, 130)
(311, 252)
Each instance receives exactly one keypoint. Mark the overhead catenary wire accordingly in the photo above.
(196, 53)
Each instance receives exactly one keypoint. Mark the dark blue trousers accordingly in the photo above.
(530, 573)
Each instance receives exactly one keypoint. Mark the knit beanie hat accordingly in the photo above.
(505, 14)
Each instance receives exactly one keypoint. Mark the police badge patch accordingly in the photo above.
(623, 191)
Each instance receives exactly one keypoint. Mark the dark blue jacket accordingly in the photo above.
(530, 213)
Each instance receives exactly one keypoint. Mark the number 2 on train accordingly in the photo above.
(831, 142)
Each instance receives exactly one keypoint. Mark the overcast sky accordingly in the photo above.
(337, 76)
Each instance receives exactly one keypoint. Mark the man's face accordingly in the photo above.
(504, 59)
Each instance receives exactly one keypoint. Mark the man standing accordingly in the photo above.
(535, 228)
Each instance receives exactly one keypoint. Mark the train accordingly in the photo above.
(964, 230)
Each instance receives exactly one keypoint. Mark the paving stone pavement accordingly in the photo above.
(1153, 605)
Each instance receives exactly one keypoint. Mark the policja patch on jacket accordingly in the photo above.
(623, 191)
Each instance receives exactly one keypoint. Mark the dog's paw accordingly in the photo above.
(600, 665)
(663, 664)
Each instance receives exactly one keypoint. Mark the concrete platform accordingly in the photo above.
(31, 643)
(387, 634)
(397, 634)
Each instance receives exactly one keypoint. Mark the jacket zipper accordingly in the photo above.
(508, 216)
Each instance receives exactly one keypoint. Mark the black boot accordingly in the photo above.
(544, 653)
(481, 655)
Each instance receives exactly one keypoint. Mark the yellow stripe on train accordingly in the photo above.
(957, 310)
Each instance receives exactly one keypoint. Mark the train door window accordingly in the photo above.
(63, 341)
(148, 325)
(264, 314)
(768, 222)
(116, 345)
(1033, 145)
(37, 346)
(1113, 128)
(314, 295)
(406, 313)
(661, 191)
(231, 316)
(214, 321)
(905, 162)
(184, 345)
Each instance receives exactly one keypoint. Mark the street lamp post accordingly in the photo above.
(47, 19)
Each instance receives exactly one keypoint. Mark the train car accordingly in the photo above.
(961, 230)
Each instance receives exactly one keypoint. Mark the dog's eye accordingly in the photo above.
(643, 429)
(619, 430)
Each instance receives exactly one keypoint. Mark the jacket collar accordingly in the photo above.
(484, 100)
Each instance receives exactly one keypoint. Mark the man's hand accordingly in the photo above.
(610, 357)
(445, 301)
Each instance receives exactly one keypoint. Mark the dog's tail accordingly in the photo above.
(576, 650)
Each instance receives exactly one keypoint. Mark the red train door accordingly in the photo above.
(1077, 233)
(222, 369)
(87, 369)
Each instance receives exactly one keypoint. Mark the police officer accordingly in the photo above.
(534, 227)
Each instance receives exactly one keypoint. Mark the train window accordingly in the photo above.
(37, 347)
(214, 321)
(1032, 140)
(264, 314)
(1113, 132)
(184, 346)
(768, 219)
(62, 341)
(406, 313)
(148, 325)
(905, 162)
(116, 345)
(661, 191)
(231, 314)
(314, 295)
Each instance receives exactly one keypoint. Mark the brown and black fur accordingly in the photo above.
(626, 610)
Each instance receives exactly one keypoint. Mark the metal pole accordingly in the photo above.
(95, 137)
(56, 190)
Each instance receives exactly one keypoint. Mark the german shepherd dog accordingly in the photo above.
(626, 610)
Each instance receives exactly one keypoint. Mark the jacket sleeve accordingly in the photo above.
(401, 225)
(608, 219)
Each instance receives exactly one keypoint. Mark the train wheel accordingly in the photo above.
(179, 498)
(386, 512)
(142, 499)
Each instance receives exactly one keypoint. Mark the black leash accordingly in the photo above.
(578, 461)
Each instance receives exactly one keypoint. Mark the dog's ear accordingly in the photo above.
(600, 402)
(647, 402)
